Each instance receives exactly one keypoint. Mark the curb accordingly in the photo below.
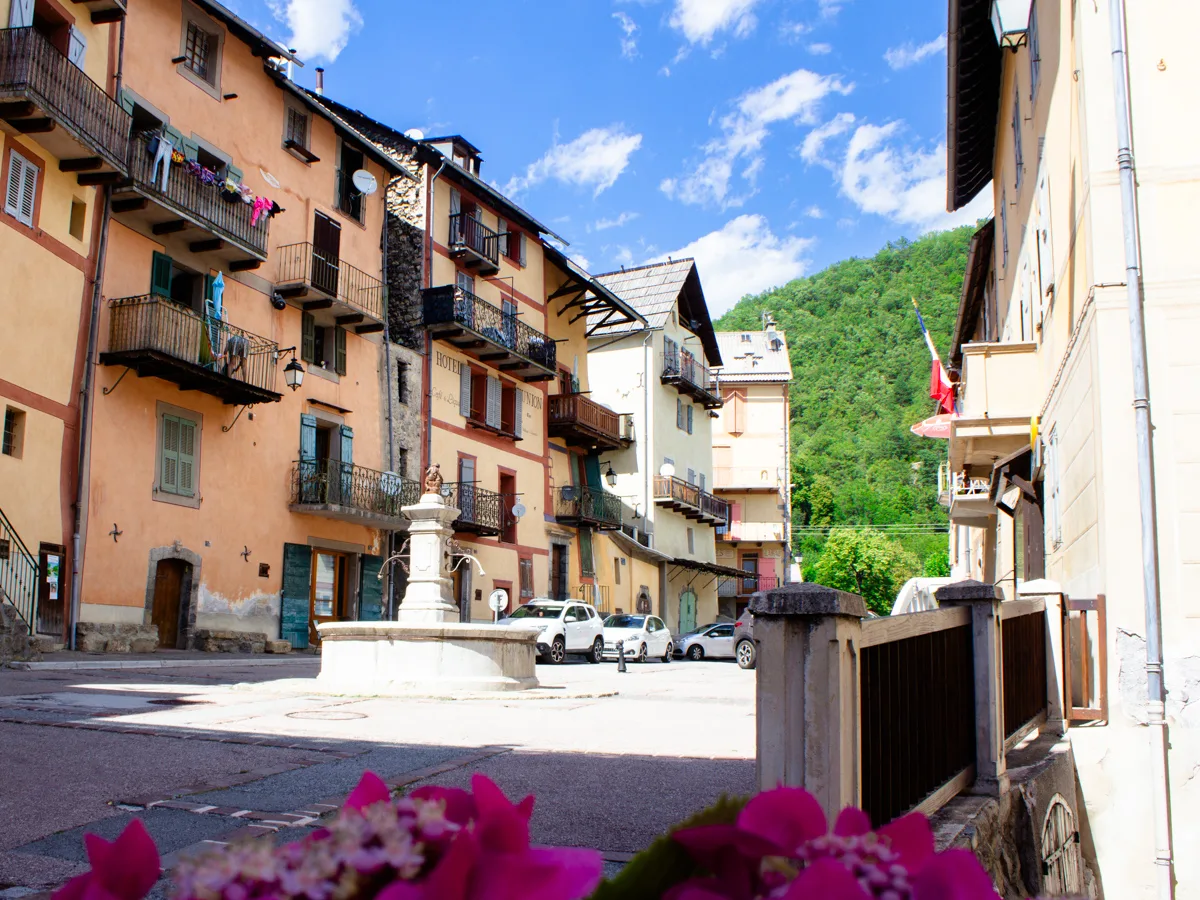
(98, 664)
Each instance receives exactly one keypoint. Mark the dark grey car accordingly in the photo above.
(745, 651)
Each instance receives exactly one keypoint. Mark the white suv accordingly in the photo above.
(568, 626)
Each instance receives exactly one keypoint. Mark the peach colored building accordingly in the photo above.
(221, 499)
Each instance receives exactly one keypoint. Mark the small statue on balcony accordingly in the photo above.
(433, 479)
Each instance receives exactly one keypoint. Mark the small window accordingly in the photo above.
(402, 461)
(196, 51)
(20, 193)
(526, 570)
(691, 535)
(200, 50)
(178, 456)
(322, 346)
(402, 383)
(13, 441)
(746, 339)
(350, 198)
(297, 128)
(78, 219)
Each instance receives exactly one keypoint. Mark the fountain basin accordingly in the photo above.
(395, 658)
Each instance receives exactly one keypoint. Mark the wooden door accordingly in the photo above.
(328, 588)
(51, 612)
(168, 596)
(558, 572)
(327, 250)
(687, 611)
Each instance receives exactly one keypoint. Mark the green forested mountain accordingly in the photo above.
(861, 378)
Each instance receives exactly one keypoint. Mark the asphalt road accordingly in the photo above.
(254, 751)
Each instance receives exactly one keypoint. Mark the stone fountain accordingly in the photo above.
(427, 650)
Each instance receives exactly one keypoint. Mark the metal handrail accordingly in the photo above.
(30, 65)
(157, 324)
(467, 231)
(205, 204)
(578, 409)
(587, 504)
(304, 263)
(451, 304)
(19, 574)
(681, 365)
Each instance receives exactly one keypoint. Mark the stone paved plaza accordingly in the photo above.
(207, 753)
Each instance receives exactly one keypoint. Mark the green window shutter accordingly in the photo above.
(308, 437)
(191, 149)
(308, 338)
(295, 602)
(234, 173)
(370, 589)
(188, 439)
(587, 563)
(127, 102)
(591, 468)
(168, 479)
(339, 353)
(160, 275)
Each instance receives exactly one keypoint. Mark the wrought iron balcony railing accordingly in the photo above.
(584, 506)
(688, 499)
(689, 375)
(488, 334)
(305, 270)
(581, 421)
(476, 244)
(160, 338)
(480, 511)
(346, 491)
(53, 88)
(188, 198)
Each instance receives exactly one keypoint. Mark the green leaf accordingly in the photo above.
(664, 864)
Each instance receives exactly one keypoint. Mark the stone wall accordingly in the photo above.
(108, 637)
(15, 642)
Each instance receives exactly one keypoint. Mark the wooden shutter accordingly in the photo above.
(339, 350)
(494, 389)
(295, 600)
(690, 412)
(20, 14)
(160, 275)
(308, 437)
(347, 445)
(518, 412)
(502, 233)
(678, 413)
(587, 560)
(691, 476)
(521, 240)
(464, 390)
(766, 573)
(77, 50)
(187, 457)
(370, 589)
(168, 479)
(21, 191)
(308, 338)
(703, 480)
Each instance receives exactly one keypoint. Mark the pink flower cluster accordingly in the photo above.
(438, 844)
(781, 847)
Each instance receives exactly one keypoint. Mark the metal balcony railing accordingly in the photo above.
(480, 511)
(467, 233)
(579, 505)
(329, 482)
(32, 68)
(580, 420)
(450, 309)
(689, 375)
(690, 500)
(160, 338)
(960, 484)
(304, 264)
(204, 204)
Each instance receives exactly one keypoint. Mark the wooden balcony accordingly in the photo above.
(581, 422)
(315, 281)
(103, 11)
(189, 211)
(690, 376)
(44, 94)
(488, 334)
(585, 507)
(675, 493)
(473, 244)
(349, 493)
(159, 338)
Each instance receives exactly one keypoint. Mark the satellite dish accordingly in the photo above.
(365, 182)
(415, 134)
(519, 510)
(667, 470)
(269, 178)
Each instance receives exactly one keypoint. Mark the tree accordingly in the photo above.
(937, 565)
(867, 563)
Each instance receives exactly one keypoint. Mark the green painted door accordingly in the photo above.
(687, 611)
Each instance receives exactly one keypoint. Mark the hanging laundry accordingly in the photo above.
(163, 156)
(261, 205)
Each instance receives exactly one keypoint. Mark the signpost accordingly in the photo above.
(498, 602)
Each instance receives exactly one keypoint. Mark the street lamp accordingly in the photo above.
(610, 476)
(293, 372)
(1010, 20)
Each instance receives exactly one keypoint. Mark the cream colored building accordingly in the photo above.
(658, 374)
(1043, 339)
(750, 462)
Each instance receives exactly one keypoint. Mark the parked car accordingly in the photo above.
(707, 642)
(644, 637)
(744, 648)
(568, 627)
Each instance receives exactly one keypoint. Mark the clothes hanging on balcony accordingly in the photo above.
(261, 206)
(163, 154)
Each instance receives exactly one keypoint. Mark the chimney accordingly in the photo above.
(320, 82)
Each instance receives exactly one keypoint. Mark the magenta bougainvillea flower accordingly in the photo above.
(781, 847)
(124, 869)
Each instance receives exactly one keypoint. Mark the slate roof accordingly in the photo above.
(755, 359)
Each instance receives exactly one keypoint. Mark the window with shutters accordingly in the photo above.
(512, 243)
(491, 404)
(322, 346)
(678, 412)
(526, 569)
(20, 189)
(587, 559)
(178, 465)
(735, 412)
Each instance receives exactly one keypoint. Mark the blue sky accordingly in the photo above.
(767, 138)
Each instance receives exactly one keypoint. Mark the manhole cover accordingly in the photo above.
(327, 714)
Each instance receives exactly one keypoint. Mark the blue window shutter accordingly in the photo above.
(494, 389)
(347, 445)
(20, 15)
(77, 48)
(690, 411)
(464, 390)
(370, 589)
(295, 602)
(308, 437)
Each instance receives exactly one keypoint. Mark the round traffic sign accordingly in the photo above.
(498, 600)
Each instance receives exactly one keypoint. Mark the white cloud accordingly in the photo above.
(629, 30)
(795, 96)
(815, 140)
(830, 8)
(320, 28)
(595, 159)
(623, 219)
(744, 257)
(793, 31)
(815, 212)
(910, 54)
(902, 184)
(580, 260)
(623, 257)
(820, 49)
(700, 20)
